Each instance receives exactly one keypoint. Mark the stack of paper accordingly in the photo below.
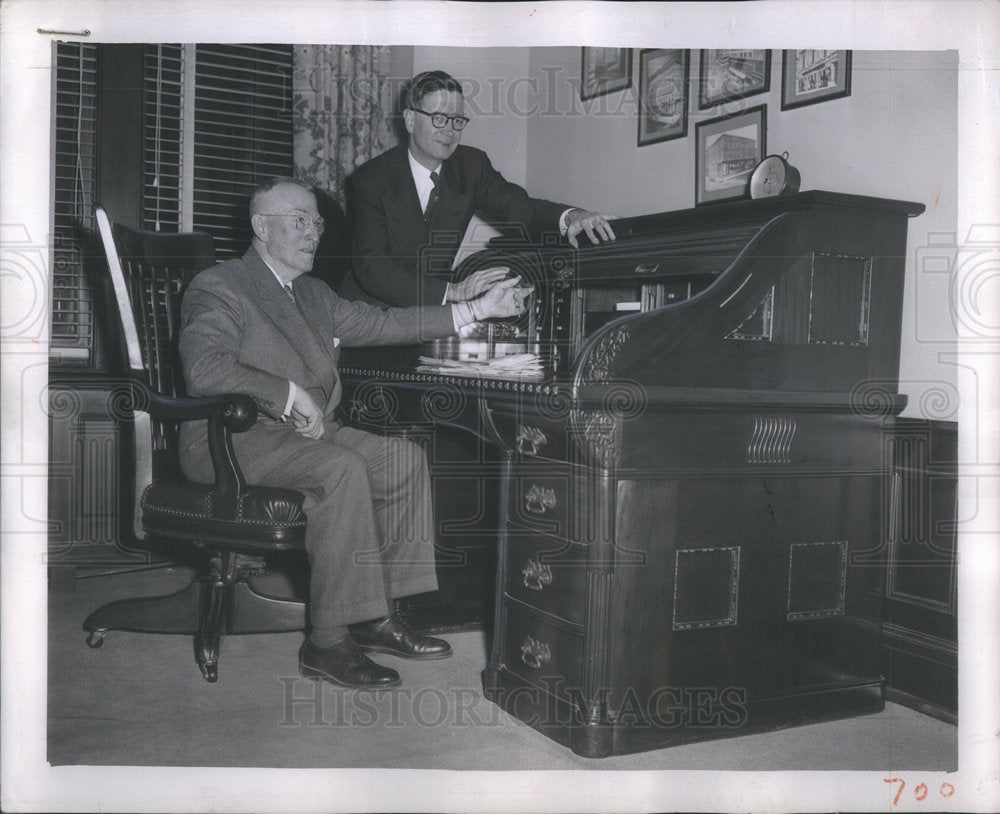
(519, 366)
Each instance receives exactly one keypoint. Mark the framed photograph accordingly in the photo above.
(726, 151)
(604, 70)
(725, 74)
(663, 94)
(809, 76)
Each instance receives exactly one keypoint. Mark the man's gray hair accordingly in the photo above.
(279, 180)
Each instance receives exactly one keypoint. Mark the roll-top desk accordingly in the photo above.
(691, 499)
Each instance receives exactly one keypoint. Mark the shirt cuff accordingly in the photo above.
(462, 314)
(564, 220)
(292, 390)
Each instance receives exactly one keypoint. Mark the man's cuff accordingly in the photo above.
(291, 400)
(564, 219)
(462, 314)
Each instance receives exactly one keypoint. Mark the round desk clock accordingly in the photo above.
(774, 176)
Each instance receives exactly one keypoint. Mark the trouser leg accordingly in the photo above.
(369, 530)
(403, 508)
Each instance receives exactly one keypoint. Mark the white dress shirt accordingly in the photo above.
(422, 179)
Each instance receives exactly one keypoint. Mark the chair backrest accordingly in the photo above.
(149, 272)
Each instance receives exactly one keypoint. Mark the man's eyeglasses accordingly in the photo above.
(439, 120)
(301, 221)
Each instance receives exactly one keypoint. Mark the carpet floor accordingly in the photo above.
(139, 700)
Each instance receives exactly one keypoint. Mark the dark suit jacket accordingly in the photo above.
(389, 228)
(240, 333)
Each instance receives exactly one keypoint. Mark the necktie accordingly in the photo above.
(432, 200)
(289, 292)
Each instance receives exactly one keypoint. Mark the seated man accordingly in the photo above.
(257, 326)
(435, 185)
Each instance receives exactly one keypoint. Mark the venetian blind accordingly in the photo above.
(74, 124)
(240, 128)
(242, 135)
(162, 118)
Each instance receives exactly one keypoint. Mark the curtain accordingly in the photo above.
(343, 110)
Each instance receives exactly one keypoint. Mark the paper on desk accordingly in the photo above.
(517, 366)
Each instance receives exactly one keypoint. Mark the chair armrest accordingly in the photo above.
(238, 413)
(226, 414)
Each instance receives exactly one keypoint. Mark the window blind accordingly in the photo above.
(74, 121)
(162, 122)
(242, 134)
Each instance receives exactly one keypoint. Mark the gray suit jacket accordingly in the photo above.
(240, 333)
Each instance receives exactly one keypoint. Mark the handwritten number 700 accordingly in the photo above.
(920, 791)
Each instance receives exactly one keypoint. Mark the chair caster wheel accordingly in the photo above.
(95, 639)
(210, 672)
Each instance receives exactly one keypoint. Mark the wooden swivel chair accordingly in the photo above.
(228, 526)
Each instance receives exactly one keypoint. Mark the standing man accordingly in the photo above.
(259, 327)
(434, 185)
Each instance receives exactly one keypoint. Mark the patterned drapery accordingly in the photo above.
(343, 107)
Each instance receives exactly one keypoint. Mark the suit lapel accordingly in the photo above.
(291, 322)
(403, 204)
(451, 202)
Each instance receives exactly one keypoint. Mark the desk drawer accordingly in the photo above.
(548, 655)
(547, 574)
(539, 500)
(532, 435)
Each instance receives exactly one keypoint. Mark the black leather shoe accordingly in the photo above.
(392, 635)
(346, 666)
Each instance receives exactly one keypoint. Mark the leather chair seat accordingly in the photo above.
(261, 519)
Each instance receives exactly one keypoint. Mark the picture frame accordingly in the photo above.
(727, 149)
(809, 76)
(728, 74)
(664, 75)
(604, 70)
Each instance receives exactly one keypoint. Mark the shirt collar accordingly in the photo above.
(419, 171)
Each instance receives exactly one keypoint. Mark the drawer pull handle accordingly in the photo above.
(539, 500)
(535, 575)
(646, 268)
(535, 653)
(529, 439)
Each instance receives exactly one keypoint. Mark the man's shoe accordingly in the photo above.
(346, 666)
(392, 635)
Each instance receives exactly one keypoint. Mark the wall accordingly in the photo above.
(497, 85)
(894, 136)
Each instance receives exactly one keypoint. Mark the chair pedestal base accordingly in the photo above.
(208, 608)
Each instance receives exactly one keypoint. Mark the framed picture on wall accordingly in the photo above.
(725, 74)
(809, 76)
(663, 94)
(604, 70)
(726, 151)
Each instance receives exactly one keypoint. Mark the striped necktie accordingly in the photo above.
(289, 292)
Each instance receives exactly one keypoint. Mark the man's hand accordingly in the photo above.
(594, 224)
(307, 418)
(475, 284)
(505, 299)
